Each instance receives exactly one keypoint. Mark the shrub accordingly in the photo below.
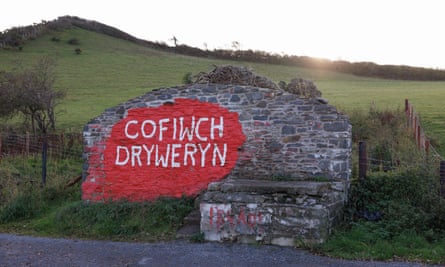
(406, 201)
(78, 51)
(73, 41)
(187, 78)
(388, 140)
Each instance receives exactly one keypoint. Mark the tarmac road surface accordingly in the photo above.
(39, 251)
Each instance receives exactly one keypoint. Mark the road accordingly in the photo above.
(38, 251)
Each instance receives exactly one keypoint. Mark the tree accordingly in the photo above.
(7, 95)
(175, 40)
(236, 45)
(31, 92)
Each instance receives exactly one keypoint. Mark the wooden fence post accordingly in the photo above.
(427, 145)
(418, 136)
(362, 160)
(442, 178)
(44, 159)
(27, 144)
(408, 114)
(407, 109)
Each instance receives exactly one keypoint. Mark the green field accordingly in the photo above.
(110, 71)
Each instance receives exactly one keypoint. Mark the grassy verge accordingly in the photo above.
(363, 242)
(395, 213)
(396, 216)
(150, 221)
(56, 210)
(60, 213)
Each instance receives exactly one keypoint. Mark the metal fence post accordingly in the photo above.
(362, 160)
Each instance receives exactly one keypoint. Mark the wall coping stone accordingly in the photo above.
(269, 186)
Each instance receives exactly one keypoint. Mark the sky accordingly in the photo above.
(398, 32)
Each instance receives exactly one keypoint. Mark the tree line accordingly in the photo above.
(15, 38)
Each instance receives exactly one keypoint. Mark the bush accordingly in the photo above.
(187, 78)
(406, 201)
(73, 41)
(389, 142)
(392, 216)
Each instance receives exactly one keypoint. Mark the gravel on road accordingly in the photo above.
(41, 251)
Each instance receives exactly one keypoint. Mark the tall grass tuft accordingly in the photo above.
(20, 176)
(36, 203)
(122, 220)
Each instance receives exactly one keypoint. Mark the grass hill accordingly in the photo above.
(111, 70)
(108, 70)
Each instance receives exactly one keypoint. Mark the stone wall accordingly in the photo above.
(279, 171)
(287, 137)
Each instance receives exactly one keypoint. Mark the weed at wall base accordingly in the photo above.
(115, 220)
(411, 226)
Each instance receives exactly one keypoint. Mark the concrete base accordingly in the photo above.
(271, 212)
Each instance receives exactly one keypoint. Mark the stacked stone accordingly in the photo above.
(287, 136)
(271, 212)
(297, 148)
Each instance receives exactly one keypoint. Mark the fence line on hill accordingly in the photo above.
(41, 148)
(423, 142)
(67, 145)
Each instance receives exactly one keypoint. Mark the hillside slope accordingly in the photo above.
(16, 37)
(110, 71)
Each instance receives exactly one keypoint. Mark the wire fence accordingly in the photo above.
(53, 147)
(58, 145)
(433, 159)
(37, 156)
(423, 142)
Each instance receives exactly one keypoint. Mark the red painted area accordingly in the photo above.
(171, 150)
(218, 217)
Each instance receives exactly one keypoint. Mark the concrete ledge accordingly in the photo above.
(268, 186)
